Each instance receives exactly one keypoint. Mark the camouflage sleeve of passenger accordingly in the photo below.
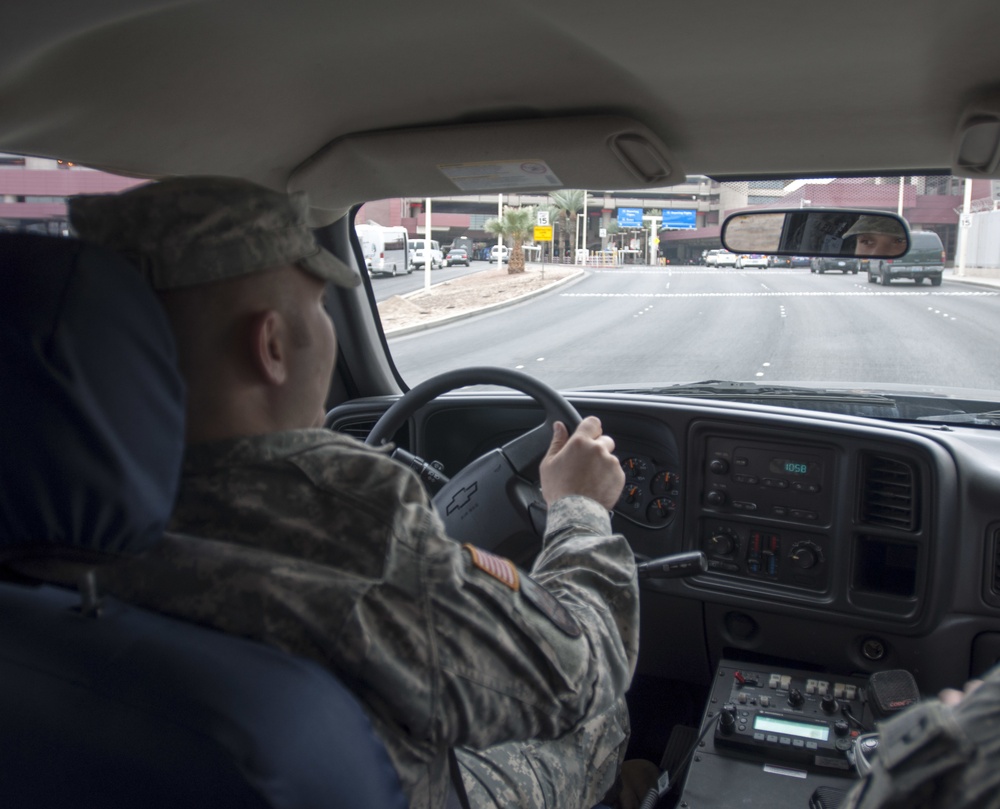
(933, 756)
(509, 655)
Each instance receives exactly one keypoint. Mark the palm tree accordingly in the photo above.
(569, 203)
(515, 225)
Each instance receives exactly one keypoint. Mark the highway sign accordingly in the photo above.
(630, 217)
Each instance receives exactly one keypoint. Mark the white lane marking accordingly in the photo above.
(540, 359)
(518, 367)
(831, 294)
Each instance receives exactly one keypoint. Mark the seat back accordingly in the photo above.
(104, 704)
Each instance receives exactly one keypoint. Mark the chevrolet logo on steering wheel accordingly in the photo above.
(462, 498)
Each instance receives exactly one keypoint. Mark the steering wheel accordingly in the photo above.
(494, 502)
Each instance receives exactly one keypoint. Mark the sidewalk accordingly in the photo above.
(969, 278)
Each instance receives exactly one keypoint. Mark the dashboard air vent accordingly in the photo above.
(356, 428)
(889, 494)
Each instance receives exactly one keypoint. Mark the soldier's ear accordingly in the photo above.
(269, 347)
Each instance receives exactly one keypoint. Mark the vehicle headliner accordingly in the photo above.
(256, 89)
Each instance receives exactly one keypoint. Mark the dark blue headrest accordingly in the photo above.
(91, 402)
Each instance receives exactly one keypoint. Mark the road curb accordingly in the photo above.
(440, 321)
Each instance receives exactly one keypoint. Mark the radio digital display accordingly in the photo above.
(804, 730)
(791, 466)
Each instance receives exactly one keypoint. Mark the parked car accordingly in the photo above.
(924, 260)
(456, 256)
(747, 261)
(835, 264)
(499, 252)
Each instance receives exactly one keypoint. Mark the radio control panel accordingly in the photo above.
(786, 483)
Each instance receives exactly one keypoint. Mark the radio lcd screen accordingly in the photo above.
(804, 730)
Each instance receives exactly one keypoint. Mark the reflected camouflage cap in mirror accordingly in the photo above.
(875, 223)
(187, 231)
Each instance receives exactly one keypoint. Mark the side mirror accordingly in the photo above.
(817, 232)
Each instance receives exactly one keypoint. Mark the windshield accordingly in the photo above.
(617, 300)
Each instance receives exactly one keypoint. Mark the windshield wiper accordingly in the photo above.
(723, 389)
(989, 418)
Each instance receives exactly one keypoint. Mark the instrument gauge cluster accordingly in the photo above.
(651, 493)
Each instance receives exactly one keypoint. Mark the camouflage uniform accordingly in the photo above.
(329, 549)
(933, 756)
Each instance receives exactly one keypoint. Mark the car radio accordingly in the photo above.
(787, 714)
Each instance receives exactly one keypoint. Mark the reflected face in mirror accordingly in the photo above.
(878, 235)
(879, 244)
(817, 232)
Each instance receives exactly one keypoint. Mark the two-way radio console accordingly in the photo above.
(788, 714)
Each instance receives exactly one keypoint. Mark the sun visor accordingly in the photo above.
(531, 156)
(977, 145)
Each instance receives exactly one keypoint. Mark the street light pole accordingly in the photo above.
(499, 235)
(427, 244)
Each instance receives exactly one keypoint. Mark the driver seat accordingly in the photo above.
(104, 704)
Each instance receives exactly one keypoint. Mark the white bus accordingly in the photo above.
(386, 249)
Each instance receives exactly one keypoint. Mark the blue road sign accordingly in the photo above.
(630, 217)
(679, 219)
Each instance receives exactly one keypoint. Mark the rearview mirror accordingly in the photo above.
(817, 232)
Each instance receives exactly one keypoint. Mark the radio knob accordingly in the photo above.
(804, 557)
(841, 728)
(719, 466)
(795, 698)
(716, 498)
(829, 704)
(727, 719)
(722, 543)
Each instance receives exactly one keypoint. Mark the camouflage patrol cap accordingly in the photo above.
(187, 231)
(875, 223)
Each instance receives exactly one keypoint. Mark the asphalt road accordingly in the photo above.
(655, 326)
(385, 286)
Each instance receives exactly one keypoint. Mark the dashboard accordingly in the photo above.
(834, 543)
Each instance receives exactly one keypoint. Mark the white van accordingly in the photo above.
(418, 251)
